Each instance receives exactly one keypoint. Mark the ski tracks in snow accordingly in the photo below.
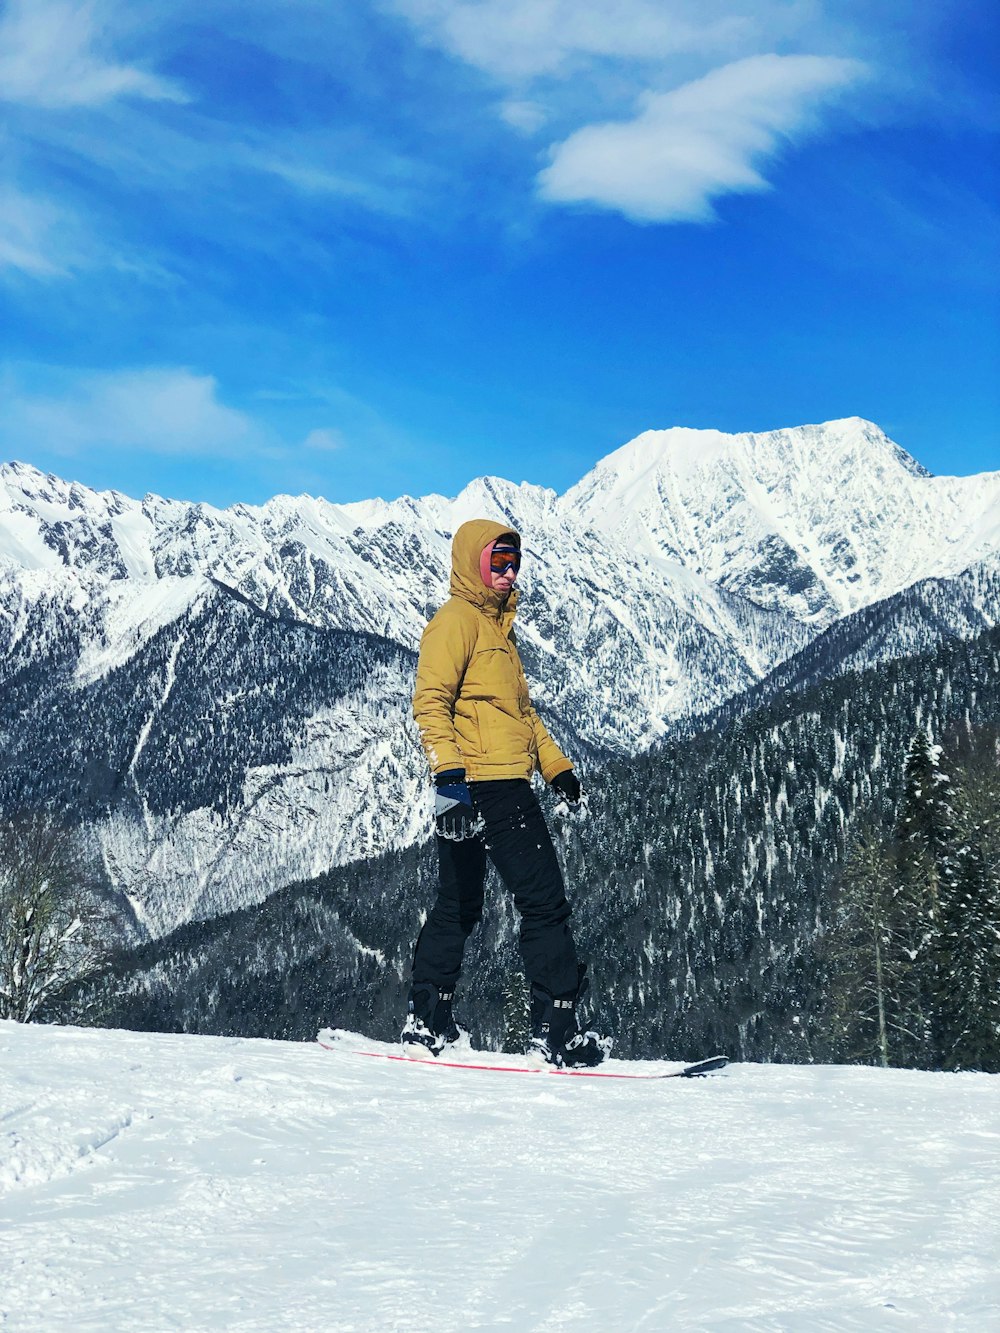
(164, 1182)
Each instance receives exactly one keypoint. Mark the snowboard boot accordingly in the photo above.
(430, 1025)
(555, 1031)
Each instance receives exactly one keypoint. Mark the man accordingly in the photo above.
(484, 741)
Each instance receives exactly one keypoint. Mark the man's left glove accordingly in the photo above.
(572, 800)
(454, 815)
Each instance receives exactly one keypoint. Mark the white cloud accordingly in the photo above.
(43, 240)
(50, 57)
(709, 103)
(324, 440)
(162, 410)
(707, 138)
(26, 234)
(523, 115)
(374, 177)
(518, 40)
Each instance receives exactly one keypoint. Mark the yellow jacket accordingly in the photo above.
(471, 699)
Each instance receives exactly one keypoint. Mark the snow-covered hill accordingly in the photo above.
(676, 575)
(152, 1181)
(906, 624)
(232, 754)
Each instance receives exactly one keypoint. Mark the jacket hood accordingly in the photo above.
(466, 548)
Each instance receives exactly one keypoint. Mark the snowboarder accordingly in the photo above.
(484, 741)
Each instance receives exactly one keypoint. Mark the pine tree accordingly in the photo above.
(926, 818)
(516, 1014)
(926, 896)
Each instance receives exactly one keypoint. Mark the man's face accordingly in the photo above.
(503, 582)
(505, 562)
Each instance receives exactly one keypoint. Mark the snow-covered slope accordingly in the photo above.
(817, 520)
(152, 1181)
(230, 754)
(906, 624)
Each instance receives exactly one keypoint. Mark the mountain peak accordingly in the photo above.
(817, 519)
(683, 450)
(26, 474)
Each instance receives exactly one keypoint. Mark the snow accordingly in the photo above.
(284, 826)
(861, 518)
(134, 535)
(131, 612)
(151, 1181)
(21, 542)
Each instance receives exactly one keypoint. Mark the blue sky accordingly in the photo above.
(359, 248)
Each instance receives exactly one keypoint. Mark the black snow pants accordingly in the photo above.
(517, 841)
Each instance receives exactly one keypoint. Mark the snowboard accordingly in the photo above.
(335, 1039)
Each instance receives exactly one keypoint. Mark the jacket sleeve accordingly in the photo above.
(551, 759)
(445, 652)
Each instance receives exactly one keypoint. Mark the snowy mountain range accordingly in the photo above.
(148, 648)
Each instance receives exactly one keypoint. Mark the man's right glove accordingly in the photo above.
(572, 803)
(454, 815)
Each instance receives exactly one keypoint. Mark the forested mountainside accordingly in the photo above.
(231, 751)
(703, 883)
(913, 621)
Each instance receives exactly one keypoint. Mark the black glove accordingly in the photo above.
(567, 785)
(454, 815)
(571, 806)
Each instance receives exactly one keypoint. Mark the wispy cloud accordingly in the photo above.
(53, 53)
(710, 100)
(180, 413)
(523, 114)
(27, 228)
(516, 41)
(707, 138)
(161, 410)
(109, 146)
(320, 164)
(325, 440)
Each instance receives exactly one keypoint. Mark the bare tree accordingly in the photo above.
(55, 932)
(869, 954)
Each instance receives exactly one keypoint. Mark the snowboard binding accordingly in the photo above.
(555, 1032)
(430, 1025)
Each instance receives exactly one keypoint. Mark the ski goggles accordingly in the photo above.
(503, 558)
